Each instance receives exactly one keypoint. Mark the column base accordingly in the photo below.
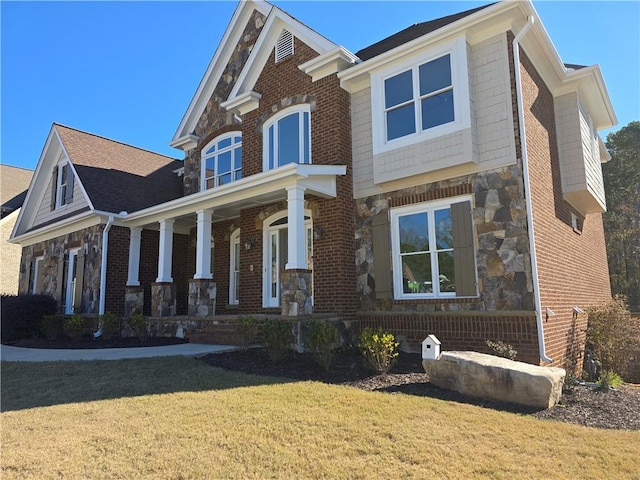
(163, 299)
(202, 297)
(295, 293)
(133, 300)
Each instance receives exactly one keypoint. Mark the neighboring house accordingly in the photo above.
(445, 180)
(14, 182)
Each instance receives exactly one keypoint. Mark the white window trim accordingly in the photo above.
(395, 213)
(457, 49)
(203, 157)
(70, 280)
(61, 200)
(233, 277)
(38, 262)
(301, 109)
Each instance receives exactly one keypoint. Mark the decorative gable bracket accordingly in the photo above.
(329, 63)
(243, 103)
(186, 142)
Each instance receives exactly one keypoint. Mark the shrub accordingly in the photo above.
(138, 323)
(110, 324)
(52, 326)
(277, 338)
(20, 315)
(609, 380)
(322, 341)
(247, 330)
(74, 326)
(379, 348)
(502, 349)
(614, 337)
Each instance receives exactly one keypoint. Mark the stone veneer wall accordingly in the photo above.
(502, 242)
(52, 250)
(214, 117)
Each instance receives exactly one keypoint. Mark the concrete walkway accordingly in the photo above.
(17, 354)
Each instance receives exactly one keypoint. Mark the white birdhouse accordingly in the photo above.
(430, 348)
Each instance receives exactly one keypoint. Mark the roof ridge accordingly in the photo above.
(116, 141)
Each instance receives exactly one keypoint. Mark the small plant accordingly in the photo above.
(502, 349)
(52, 326)
(74, 326)
(247, 330)
(110, 324)
(379, 348)
(609, 380)
(138, 323)
(277, 338)
(322, 340)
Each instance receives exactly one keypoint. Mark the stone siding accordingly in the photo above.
(53, 250)
(501, 238)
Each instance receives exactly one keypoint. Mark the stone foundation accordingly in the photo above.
(295, 292)
(202, 297)
(163, 299)
(133, 299)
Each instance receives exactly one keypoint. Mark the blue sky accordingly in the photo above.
(128, 70)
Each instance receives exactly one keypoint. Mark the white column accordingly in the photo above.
(203, 245)
(165, 251)
(297, 247)
(135, 234)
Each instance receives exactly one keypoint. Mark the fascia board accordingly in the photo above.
(217, 64)
(351, 79)
(39, 183)
(73, 169)
(276, 22)
(254, 185)
(589, 83)
(63, 227)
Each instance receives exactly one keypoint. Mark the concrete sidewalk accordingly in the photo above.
(17, 354)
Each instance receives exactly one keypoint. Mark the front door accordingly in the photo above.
(276, 238)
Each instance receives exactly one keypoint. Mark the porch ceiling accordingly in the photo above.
(261, 189)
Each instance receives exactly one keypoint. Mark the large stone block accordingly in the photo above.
(491, 377)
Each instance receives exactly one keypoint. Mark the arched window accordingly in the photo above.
(222, 161)
(287, 138)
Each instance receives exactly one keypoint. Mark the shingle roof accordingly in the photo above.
(14, 182)
(411, 33)
(119, 177)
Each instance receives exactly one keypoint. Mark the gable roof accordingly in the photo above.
(413, 32)
(119, 177)
(14, 182)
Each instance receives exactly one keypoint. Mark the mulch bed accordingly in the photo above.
(582, 405)
(90, 342)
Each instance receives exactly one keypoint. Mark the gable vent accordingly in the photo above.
(284, 45)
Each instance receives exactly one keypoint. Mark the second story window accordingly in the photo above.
(222, 161)
(288, 138)
(419, 98)
(62, 188)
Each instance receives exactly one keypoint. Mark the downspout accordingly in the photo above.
(103, 271)
(527, 190)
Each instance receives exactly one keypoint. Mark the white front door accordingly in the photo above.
(275, 255)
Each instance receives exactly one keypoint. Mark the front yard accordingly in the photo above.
(178, 418)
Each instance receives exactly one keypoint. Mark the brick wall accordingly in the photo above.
(149, 244)
(572, 266)
(117, 269)
(460, 331)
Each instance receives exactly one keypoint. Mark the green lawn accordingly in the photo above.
(177, 418)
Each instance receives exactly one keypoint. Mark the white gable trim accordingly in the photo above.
(41, 182)
(218, 63)
(276, 22)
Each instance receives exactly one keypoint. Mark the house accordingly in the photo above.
(445, 180)
(14, 182)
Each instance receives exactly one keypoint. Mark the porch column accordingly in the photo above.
(203, 245)
(135, 235)
(165, 251)
(133, 292)
(296, 231)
